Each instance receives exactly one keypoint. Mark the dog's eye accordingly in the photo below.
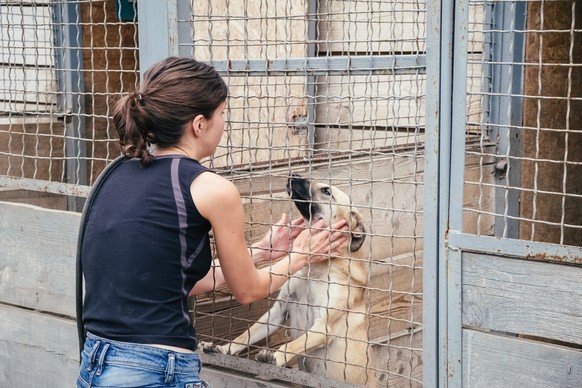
(326, 190)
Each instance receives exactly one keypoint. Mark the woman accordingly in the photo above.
(146, 244)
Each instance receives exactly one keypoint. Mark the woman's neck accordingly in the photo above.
(173, 150)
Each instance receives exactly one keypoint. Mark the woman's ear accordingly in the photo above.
(197, 125)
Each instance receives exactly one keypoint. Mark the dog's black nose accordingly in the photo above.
(293, 176)
(299, 189)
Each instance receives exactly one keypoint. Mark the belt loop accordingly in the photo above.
(102, 359)
(170, 368)
(93, 354)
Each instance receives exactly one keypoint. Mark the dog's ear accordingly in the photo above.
(358, 231)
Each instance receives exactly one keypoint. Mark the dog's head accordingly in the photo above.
(316, 201)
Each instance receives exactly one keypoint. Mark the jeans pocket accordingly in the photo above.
(85, 373)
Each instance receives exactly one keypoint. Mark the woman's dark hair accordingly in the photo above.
(172, 93)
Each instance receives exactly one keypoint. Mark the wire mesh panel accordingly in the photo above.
(333, 91)
(28, 90)
(528, 186)
(63, 65)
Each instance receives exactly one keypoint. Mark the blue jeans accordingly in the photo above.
(106, 363)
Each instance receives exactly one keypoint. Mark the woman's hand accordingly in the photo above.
(278, 241)
(319, 242)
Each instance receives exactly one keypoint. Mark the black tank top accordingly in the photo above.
(144, 248)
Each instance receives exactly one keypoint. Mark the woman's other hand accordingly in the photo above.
(278, 241)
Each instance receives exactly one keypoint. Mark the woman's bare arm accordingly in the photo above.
(219, 201)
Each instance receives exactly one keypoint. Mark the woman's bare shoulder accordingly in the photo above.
(210, 182)
(210, 190)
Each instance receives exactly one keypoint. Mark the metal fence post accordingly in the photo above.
(444, 114)
(158, 31)
(505, 72)
(431, 309)
(69, 65)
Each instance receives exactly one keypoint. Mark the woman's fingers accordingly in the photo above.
(325, 241)
(341, 224)
(295, 228)
(321, 241)
(283, 221)
(298, 221)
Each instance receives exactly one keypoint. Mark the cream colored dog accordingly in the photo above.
(324, 303)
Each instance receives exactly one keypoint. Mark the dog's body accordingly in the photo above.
(323, 304)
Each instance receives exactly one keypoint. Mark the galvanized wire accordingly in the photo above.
(63, 65)
(525, 179)
(300, 102)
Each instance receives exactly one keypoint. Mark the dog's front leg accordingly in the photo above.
(266, 325)
(316, 337)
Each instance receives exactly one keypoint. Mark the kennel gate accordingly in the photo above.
(506, 308)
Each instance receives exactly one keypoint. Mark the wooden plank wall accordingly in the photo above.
(521, 323)
(37, 305)
(37, 310)
(537, 302)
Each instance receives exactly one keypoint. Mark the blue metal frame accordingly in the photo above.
(521, 249)
(456, 173)
(158, 32)
(447, 38)
(505, 53)
(438, 119)
(382, 64)
(69, 73)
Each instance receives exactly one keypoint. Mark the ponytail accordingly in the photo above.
(131, 128)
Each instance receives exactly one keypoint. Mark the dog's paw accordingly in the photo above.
(209, 347)
(266, 356)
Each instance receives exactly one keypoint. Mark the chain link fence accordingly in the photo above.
(528, 149)
(63, 66)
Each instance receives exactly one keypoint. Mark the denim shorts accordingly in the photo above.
(106, 363)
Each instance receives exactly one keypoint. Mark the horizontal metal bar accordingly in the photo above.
(522, 249)
(383, 64)
(40, 119)
(45, 186)
(272, 371)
